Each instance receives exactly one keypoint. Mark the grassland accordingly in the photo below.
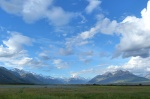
(73, 92)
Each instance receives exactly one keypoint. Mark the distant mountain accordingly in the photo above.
(118, 76)
(49, 80)
(17, 76)
(76, 80)
(34, 78)
(38, 79)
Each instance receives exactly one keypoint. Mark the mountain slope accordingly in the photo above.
(17, 76)
(34, 78)
(6, 77)
(117, 77)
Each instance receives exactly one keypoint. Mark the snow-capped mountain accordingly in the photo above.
(17, 76)
(34, 78)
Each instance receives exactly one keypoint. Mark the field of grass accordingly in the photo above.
(73, 92)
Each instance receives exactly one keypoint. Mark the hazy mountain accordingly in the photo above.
(76, 80)
(48, 79)
(118, 76)
(39, 79)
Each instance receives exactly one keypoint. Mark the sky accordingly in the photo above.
(75, 38)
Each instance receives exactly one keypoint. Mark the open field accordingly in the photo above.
(73, 92)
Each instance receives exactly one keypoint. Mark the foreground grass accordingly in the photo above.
(75, 92)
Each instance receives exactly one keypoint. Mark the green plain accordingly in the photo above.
(73, 92)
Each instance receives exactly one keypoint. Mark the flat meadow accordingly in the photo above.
(73, 92)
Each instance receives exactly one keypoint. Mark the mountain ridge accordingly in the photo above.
(118, 76)
(17, 76)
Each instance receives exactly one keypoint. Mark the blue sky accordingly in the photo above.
(74, 38)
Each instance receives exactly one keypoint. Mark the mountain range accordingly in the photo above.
(17, 76)
(117, 77)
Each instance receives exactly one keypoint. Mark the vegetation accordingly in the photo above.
(73, 92)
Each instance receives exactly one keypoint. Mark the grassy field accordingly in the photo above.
(74, 92)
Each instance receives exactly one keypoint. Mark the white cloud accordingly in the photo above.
(22, 62)
(93, 4)
(18, 62)
(14, 45)
(104, 25)
(12, 6)
(12, 52)
(33, 10)
(60, 64)
(137, 65)
(135, 35)
(58, 16)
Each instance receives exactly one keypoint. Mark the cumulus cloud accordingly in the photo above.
(22, 62)
(12, 52)
(135, 34)
(33, 10)
(137, 65)
(58, 16)
(93, 4)
(14, 45)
